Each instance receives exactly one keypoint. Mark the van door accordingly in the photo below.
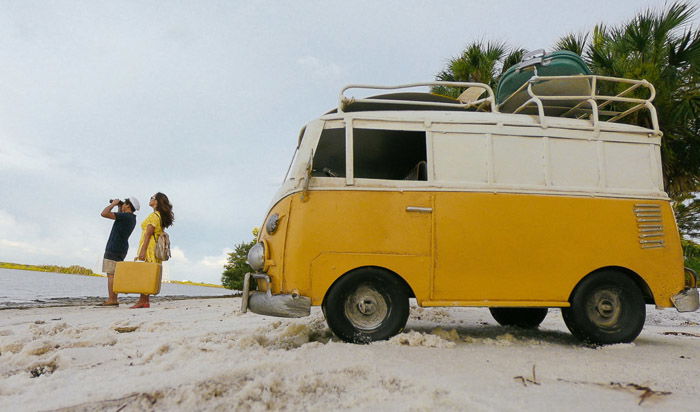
(375, 193)
(389, 170)
(469, 252)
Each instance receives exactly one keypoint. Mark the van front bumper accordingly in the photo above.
(687, 301)
(265, 303)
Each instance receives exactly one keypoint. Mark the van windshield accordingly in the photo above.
(292, 165)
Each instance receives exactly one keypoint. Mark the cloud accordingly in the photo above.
(59, 241)
(26, 248)
(207, 269)
(178, 255)
(18, 157)
(216, 261)
(8, 222)
(320, 68)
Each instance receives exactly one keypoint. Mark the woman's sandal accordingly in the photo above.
(140, 305)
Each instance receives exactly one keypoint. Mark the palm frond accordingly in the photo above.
(512, 58)
(572, 42)
(677, 15)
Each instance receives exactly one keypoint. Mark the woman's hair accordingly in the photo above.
(165, 209)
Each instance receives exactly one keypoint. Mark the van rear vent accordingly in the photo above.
(650, 225)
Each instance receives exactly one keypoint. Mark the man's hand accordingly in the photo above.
(107, 212)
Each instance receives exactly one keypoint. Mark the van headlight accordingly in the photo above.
(256, 256)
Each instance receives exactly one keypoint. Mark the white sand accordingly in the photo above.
(206, 355)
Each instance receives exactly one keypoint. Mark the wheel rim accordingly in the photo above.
(366, 308)
(604, 308)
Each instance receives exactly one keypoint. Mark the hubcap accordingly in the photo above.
(366, 308)
(604, 308)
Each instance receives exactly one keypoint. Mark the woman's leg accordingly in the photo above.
(143, 302)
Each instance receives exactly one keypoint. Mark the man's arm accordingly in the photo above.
(107, 211)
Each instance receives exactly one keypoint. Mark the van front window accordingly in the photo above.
(389, 154)
(329, 158)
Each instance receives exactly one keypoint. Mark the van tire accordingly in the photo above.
(367, 305)
(607, 307)
(527, 318)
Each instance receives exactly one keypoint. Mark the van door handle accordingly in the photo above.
(419, 209)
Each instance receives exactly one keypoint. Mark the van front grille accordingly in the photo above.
(650, 225)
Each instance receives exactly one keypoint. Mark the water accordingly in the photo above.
(26, 287)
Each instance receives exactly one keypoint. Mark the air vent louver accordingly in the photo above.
(650, 225)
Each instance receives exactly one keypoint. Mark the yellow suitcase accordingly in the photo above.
(137, 277)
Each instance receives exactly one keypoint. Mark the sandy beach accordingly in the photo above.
(203, 354)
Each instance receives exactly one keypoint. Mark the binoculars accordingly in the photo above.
(112, 200)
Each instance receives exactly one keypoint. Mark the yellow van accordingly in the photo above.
(556, 204)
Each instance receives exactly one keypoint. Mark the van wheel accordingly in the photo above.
(366, 305)
(606, 307)
(528, 318)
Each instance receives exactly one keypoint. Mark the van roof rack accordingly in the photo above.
(592, 97)
(420, 101)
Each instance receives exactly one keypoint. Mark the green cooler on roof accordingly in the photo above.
(558, 63)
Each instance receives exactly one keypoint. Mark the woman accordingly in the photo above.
(151, 228)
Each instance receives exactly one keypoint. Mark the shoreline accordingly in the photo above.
(56, 269)
(96, 300)
(47, 269)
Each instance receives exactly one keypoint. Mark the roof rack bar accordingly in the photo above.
(627, 112)
(594, 112)
(343, 101)
(597, 97)
(622, 93)
(548, 102)
(578, 107)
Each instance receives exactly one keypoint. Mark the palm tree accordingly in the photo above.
(661, 47)
(479, 62)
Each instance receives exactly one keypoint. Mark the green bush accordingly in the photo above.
(691, 251)
(236, 266)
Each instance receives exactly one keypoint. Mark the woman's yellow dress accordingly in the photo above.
(154, 220)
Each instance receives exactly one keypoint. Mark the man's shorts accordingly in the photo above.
(108, 266)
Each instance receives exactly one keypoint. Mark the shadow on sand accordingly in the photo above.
(480, 333)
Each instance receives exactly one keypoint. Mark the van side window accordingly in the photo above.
(389, 154)
(329, 157)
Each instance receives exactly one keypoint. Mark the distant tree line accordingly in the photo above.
(73, 269)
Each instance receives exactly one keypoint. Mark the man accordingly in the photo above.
(118, 243)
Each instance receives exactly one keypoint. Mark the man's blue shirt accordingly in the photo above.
(118, 242)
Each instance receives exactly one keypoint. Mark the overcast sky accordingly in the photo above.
(203, 101)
